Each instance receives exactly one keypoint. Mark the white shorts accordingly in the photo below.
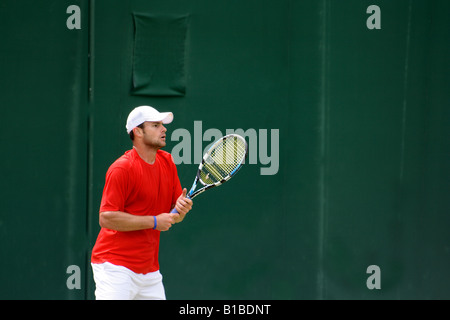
(119, 283)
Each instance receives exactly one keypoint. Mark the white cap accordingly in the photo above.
(146, 113)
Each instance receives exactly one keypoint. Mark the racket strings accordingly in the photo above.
(223, 160)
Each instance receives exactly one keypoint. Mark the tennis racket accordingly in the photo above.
(221, 162)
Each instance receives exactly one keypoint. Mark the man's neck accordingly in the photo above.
(146, 153)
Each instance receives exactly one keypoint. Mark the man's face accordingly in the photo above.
(154, 134)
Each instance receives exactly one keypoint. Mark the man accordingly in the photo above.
(141, 188)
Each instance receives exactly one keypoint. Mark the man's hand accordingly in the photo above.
(164, 221)
(183, 206)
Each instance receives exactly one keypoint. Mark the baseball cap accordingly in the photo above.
(146, 113)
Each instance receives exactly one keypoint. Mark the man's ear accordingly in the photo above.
(137, 132)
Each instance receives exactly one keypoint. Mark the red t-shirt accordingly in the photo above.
(136, 187)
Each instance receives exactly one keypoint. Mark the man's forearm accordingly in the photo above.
(122, 221)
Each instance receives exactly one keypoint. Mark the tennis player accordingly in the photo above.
(141, 188)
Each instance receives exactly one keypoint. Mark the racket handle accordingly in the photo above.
(175, 210)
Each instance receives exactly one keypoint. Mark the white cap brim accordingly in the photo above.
(146, 113)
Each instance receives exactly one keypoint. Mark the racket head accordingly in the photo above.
(222, 160)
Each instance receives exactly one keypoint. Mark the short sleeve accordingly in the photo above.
(115, 190)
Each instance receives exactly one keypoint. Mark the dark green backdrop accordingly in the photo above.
(363, 118)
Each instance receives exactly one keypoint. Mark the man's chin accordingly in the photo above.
(159, 145)
(162, 145)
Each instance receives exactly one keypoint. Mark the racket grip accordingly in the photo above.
(175, 210)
